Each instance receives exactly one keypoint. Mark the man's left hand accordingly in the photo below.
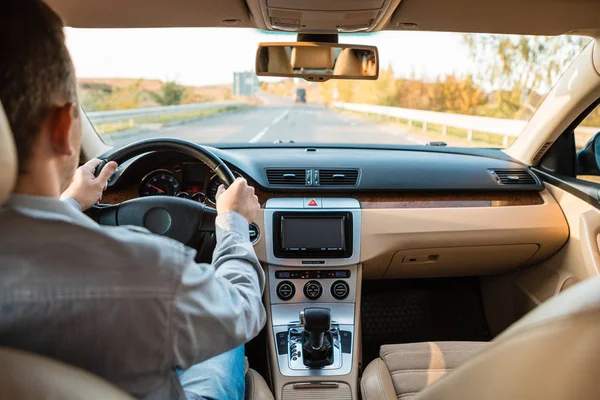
(86, 189)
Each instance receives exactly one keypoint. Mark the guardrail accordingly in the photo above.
(101, 117)
(506, 128)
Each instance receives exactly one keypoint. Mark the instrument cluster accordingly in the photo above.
(163, 182)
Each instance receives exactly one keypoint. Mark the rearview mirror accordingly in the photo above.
(317, 62)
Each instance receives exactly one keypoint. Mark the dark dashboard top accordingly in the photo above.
(383, 169)
(379, 169)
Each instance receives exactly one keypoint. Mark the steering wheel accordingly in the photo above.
(178, 218)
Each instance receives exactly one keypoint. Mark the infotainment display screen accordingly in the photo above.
(313, 235)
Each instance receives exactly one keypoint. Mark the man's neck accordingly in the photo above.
(39, 182)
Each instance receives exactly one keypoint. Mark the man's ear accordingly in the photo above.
(61, 123)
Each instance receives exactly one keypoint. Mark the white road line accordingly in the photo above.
(262, 133)
(282, 116)
(259, 135)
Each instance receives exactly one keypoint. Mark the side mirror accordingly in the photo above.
(588, 158)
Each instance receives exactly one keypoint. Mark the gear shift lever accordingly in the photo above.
(317, 342)
(317, 322)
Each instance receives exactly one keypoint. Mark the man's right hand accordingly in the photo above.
(239, 197)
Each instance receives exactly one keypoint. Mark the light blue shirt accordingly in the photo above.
(121, 302)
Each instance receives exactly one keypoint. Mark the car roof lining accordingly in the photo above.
(539, 17)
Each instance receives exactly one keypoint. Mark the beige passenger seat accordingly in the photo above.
(553, 353)
(412, 367)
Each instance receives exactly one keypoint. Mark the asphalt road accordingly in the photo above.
(278, 118)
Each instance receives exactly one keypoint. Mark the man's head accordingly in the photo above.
(38, 91)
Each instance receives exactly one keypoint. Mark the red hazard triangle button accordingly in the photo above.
(313, 202)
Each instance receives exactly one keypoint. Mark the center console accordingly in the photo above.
(313, 251)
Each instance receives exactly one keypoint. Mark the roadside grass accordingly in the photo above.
(434, 132)
(162, 120)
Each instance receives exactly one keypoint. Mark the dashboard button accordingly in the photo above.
(340, 290)
(313, 290)
(286, 290)
(312, 202)
(254, 233)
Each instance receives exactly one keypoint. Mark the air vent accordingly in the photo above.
(286, 177)
(513, 177)
(338, 177)
(542, 150)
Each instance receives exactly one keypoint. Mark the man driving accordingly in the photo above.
(127, 305)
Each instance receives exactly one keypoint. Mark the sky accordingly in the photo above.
(206, 56)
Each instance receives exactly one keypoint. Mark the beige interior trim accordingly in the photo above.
(545, 280)
(463, 238)
(259, 246)
(577, 89)
(153, 13)
(279, 381)
(8, 158)
(589, 231)
(489, 16)
(91, 143)
(387, 231)
(507, 298)
(257, 14)
(542, 17)
(459, 261)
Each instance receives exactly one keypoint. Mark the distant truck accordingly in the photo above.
(300, 95)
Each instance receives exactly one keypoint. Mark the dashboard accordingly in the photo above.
(422, 213)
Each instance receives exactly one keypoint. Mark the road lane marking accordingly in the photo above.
(262, 133)
(259, 135)
(282, 116)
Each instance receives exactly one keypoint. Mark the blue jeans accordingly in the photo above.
(218, 378)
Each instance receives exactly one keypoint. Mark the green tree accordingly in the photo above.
(525, 66)
(170, 94)
(121, 98)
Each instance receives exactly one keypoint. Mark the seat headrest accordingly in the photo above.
(8, 158)
(348, 63)
(279, 61)
(312, 57)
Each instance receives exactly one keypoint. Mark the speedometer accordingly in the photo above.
(159, 183)
(213, 187)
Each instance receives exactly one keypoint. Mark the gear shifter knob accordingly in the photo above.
(317, 322)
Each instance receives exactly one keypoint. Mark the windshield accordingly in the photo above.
(199, 85)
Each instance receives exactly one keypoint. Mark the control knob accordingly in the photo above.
(313, 290)
(286, 290)
(340, 290)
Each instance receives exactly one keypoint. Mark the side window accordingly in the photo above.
(587, 142)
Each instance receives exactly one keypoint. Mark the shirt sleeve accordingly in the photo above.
(71, 201)
(219, 307)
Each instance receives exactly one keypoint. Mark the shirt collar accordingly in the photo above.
(48, 208)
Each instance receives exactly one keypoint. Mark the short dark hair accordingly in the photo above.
(36, 70)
